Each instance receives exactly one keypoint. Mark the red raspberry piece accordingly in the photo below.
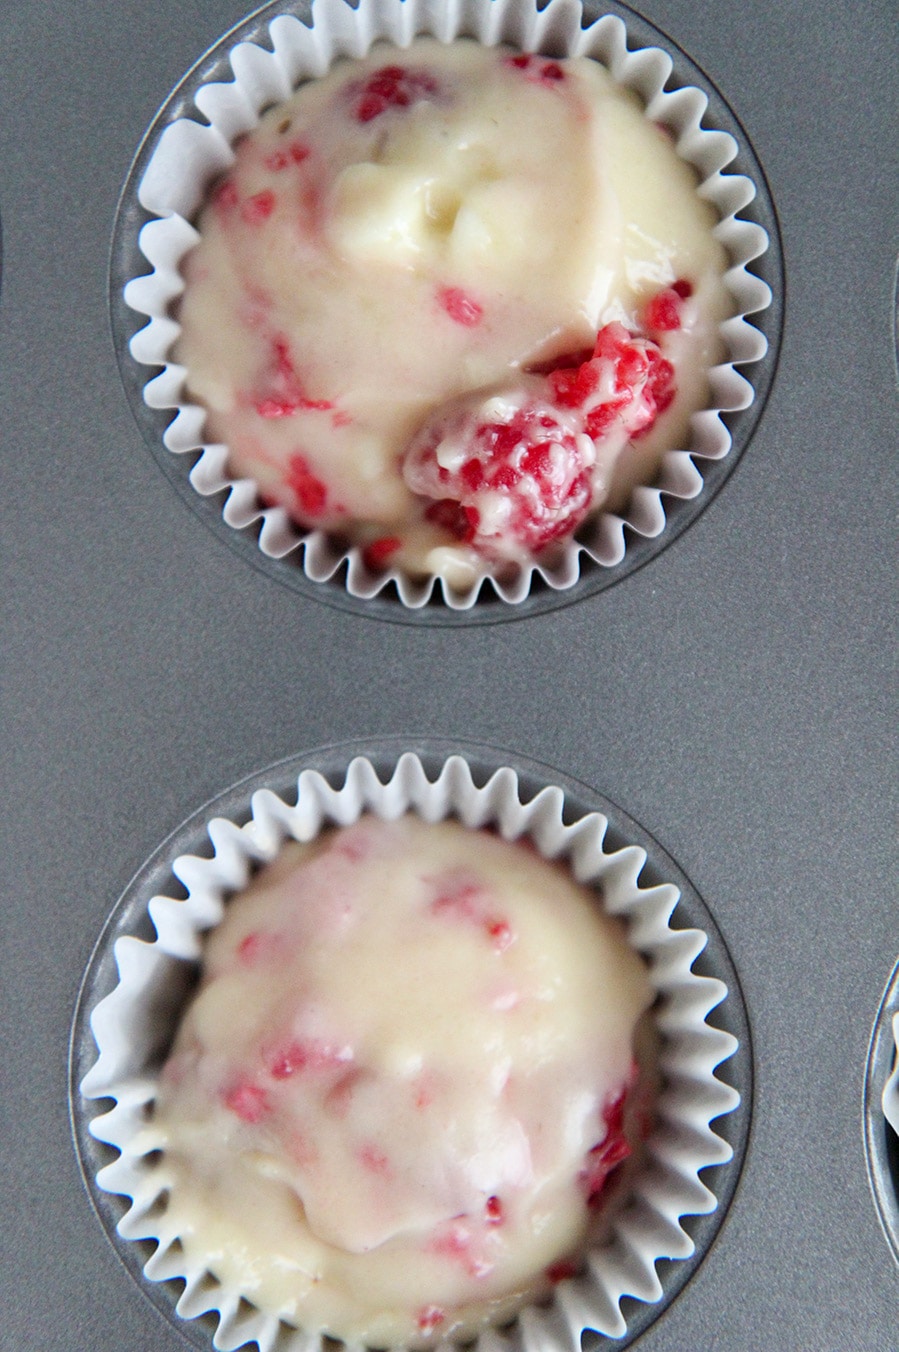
(662, 312)
(285, 156)
(311, 494)
(560, 1271)
(248, 1101)
(377, 554)
(573, 386)
(454, 1240)
(626, 382)
(552, 72)
(536, 70)
(259, 207)
(304, 1054)
(251, 948)
(277, 408)
(524, 480)
(286, 397)
(224, 196)
(459, 306)
(611, 1150)
(283, 361)
(374, 1160)
(600, 419)
(430, 1318)
(339, 1098)
(612, 342)
(453, 517)
(391, 87)
(493, 1211)
(500, 933)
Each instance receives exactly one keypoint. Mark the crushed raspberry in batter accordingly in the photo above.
(309, 491)
(536, 69)
(391, 87)
(509, 475)
(626, 380)
(663, 312)
(461, 308)
(521, 477)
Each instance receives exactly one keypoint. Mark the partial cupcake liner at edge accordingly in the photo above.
(187, 155)
(881, 1112)
(124, 1027)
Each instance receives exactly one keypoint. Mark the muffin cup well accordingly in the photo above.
(185, 156)
(133, 1024)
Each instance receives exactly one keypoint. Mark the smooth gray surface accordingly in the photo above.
(735, 696)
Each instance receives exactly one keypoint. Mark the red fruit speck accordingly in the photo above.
(281, 357)
(283, 158)
(391, 87)
(374, 1160)
(430, 1318)
(311, 494)
(423, 1096)
(683, 288)
(493, 1211)
(339, 1098)
(460, 307)
(456, 897)
(377, 554)
(259, 207)
(248, 1101)
(224, 197)
(662, 312)
(536, 70)
(304, 1054)
(500, 933)
(611, 1150)
(560, 1271)
(453, 1241)
(277, 408)
(250, 948)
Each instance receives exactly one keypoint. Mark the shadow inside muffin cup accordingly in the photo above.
(135, 987)
(152, 226)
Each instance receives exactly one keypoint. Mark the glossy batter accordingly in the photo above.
(450, 257)
(400, 1088)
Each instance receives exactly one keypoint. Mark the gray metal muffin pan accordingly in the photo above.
(734, 696)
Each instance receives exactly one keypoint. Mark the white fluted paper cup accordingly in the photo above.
(134, 1023)
(189, 155)
(891, 1088)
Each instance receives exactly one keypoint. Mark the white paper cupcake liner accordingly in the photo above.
(891, 1088)
(189, 155)
(131, 1027)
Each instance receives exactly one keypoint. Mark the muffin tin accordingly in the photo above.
(733, 695)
